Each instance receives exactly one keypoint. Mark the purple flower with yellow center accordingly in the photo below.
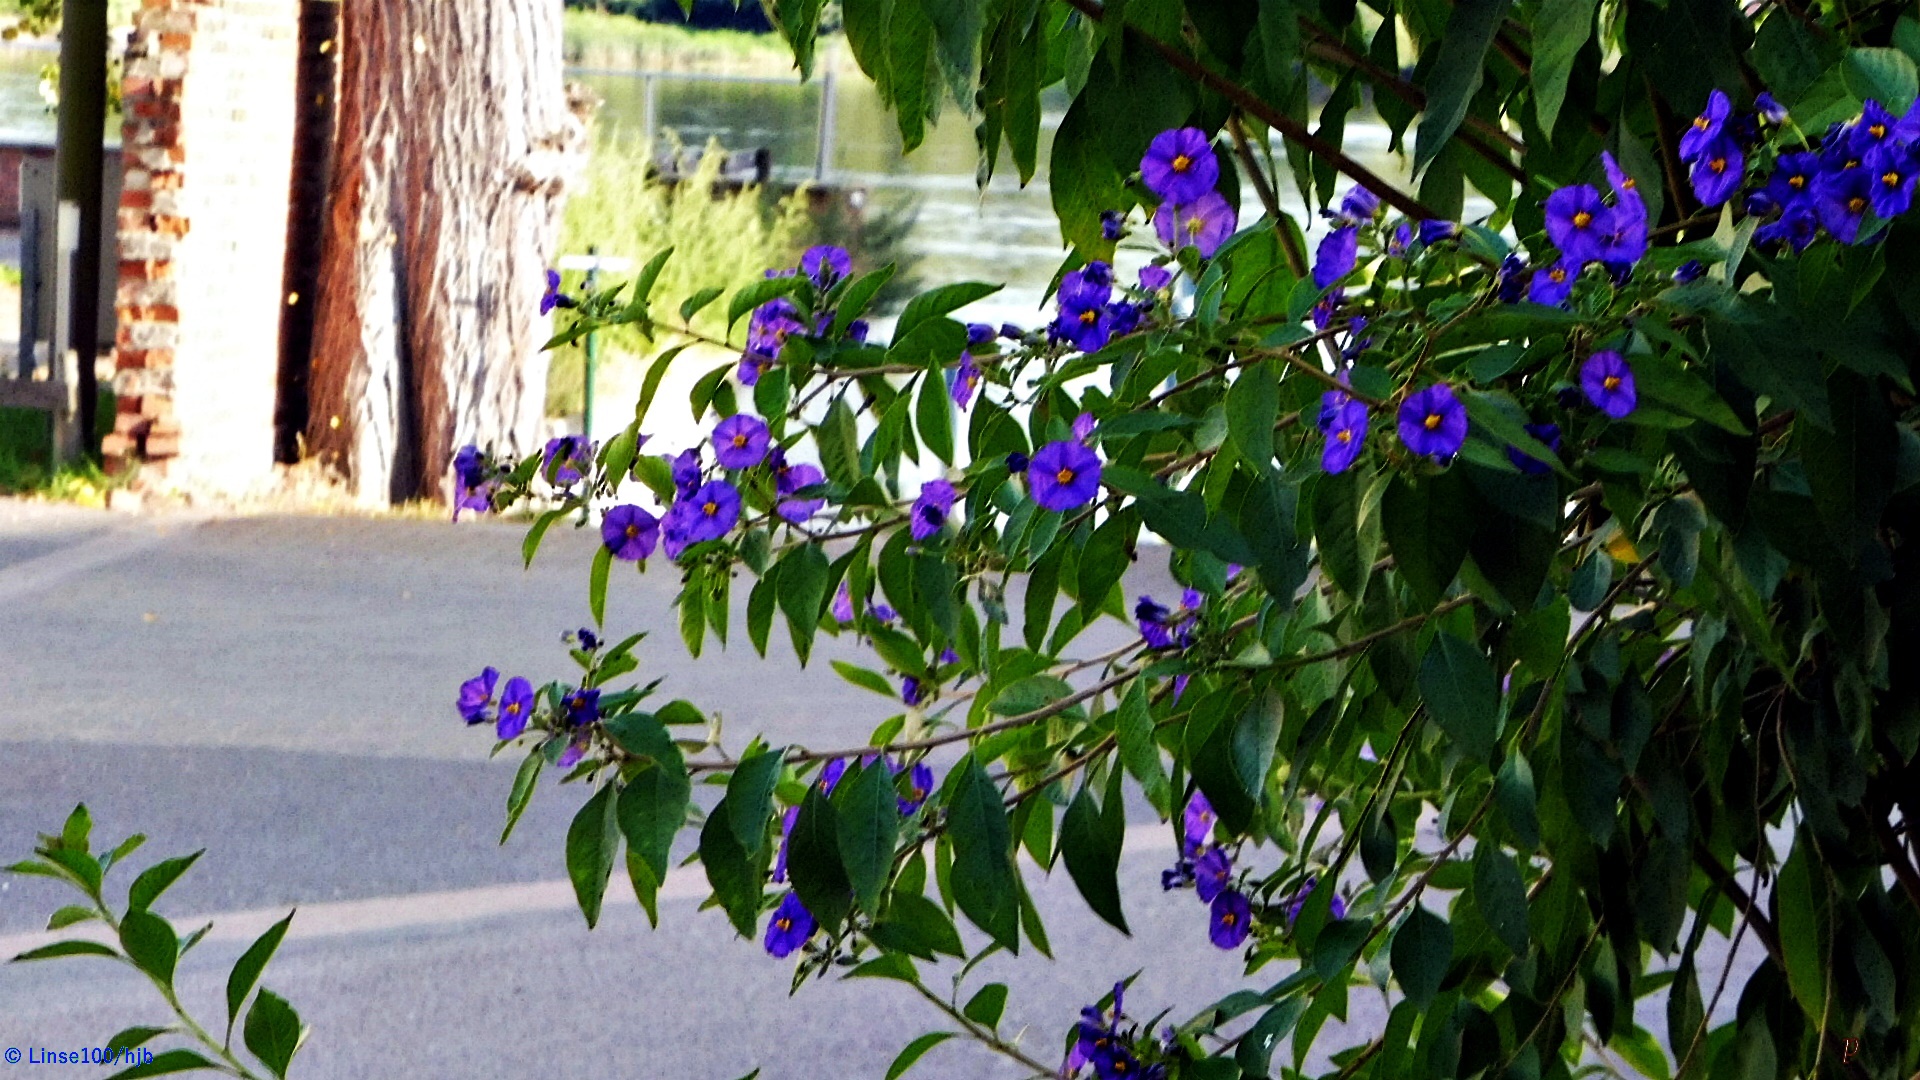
(740, 441)
(842, 606)
(1549, 436)
(1204, 223)
(1576, 221)
(1346, 430)
(1336, 256)
(1180, 166)
(516, 705)
(963, 380)
(1876, 128)
(798, 478)
(1553, 285)
(567, 460)
(686, 471)
(476, 695)
(1623, 240)
(930, 510)
(752, 365)
(1793, 179)
(826, 264)
(1196, 823)
(919, 786)
(1843, 202)
(1063, 476)
(1706, 128)
(629, 532)
(790, 928)
(1153, 278)
(1231, 920)
(1211, 873)
(1893, 172)
(1325, 308)
(582, 705)
(1717, 172)
(709, 513)
(554, 298)
(1608, 382)
(1434, 230)
(1083, 300)
(471, 488)
(1433, 422)
(1626, 190)
(1799, 227)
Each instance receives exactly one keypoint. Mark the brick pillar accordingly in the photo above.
(209, 106)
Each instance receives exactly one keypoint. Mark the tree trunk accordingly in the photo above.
(454, 147)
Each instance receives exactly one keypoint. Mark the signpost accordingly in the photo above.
(592, 262)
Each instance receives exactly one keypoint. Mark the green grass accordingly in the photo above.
(603, 40)
(76, 482)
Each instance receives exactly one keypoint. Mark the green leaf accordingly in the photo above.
(914, 1051)
(1685, 1011)
(803, 575)
(813, 861)
(652, 807)
(1462, 695)
(1560, 30)
(933, 414)
(1800, 896)
(853, 302)
(731, 872)
(593, 843)
(1133, 730)
(597, 584)
(986, 1007)
(864, 678)
(1253, 405)
(77, 832)
(758, 293)
(126, 847)
(916, 925)
(750, 798)
(1884, 75)
(173, 1061)
(247, 969)
(936, 303)
(151, 944)
(1091, 842)
(1457, 72)
(1336, 529)
(135, 1036)
(867, 820)
(1422, 949)
(985, 879)
(1500, 895)
(839, 444)
(1255, 1052)
(1428, 525)
(66, 948)
(530, 546)
(272, 1031)
(1513, 791)
(524, 780)
(69, 915)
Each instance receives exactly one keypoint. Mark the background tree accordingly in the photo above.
(455, 143)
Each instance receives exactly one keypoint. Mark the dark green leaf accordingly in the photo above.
(135, 1036)
(69, 915)
(1133, 731)
(151, 944)
(914, 1051)
(651, 809)
(1462, 695)
(867, 824)
(524, 780)
(172, 1061)
(985, 1007)
(803, 577)
(731, 873)
(985, 879)
(1253, 404)
(593, 843)
(813, 861)
(597, 584)
(1428, 524)
(1514, 792)
(933, 415)
(1501, 896)
(1560, 30)
(1422, 949)
(247, 969)
(272, 1031)
(1091, 844)
(65, 948)
(1457, 73)
(750, 798)
(1255, 1053)
(839, 444)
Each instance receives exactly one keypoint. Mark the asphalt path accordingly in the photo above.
(277, 690)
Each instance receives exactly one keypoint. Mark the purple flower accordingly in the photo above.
(919, 786)
(1336, 256)
(1063, 476)
(1433, 230)
(1706, 128)
(516, 705)
(979, 333)
(740, 441)
(1717, 172)
(831, 773)
(752, 365)
(1084, 426)
(1196, 825)
(1549, 436)
(686, 471)
(1083, 299)
(1893, 173)
(826, 264)
(582, 705)
(1123, 318)
(1608, 383)
(911, 691)
(1691, 270)
(567, 460)
(1017, 462)
(1325, 308)
(1793, 179)
(587, 639)
(798, 478)
(1155, 623)
(792, 925)
(1205, 223)
(471, 488)
(1180, 166)
(857, 331)
(1576, 222)
(1626, 192)
(1346, 430)
(1511, 279)
(963, 380)
(629, 532)
(1552, 285)
(1177, 876)
(1011, 332)
(1211, 873)
(884, 613)
(1876, 128)
(1111, 225)
(709, 513)
(787, 821)
(1768, 109)
(554, 297)
(1433, 422)
(476, 694)
(1799, 226)
(1153, 278)
(1401, 240)
(842, 606)
(575, 750)
(1231, 920)
(930, 510)
(1358, 206)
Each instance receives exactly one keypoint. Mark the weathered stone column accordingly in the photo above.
(209, 105)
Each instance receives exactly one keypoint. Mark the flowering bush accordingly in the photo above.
(1560, 561)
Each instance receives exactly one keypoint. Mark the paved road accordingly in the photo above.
(277, 690)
